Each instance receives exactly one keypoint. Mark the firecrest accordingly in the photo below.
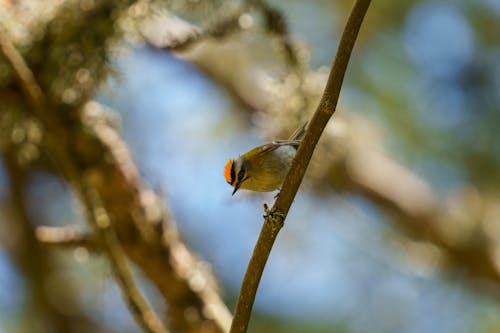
(263, 169)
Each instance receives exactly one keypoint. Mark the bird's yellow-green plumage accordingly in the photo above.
(266, 173)
(263, 168)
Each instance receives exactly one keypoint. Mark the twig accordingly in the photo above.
(276, 23)
(139, 307)
(66, 236)
(183, 35)
(142, 312)
(25, 75)
(275, 217)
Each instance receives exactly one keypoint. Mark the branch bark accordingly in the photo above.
(67, 237)
(275, 217)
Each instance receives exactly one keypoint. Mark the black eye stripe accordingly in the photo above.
(241, 174)
(233, 173)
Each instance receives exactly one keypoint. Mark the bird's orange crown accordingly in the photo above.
(228, 171)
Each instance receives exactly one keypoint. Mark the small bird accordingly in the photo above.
(263, 169)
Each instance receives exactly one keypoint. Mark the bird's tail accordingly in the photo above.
(299, 133)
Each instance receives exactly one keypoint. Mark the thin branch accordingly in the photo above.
(25, 75)
(66, 236)
(276, 23)
(182, 35)
(275, 217)
(141, 310)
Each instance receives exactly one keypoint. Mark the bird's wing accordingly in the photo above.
(278, 143)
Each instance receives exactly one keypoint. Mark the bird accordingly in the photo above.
(263, 168)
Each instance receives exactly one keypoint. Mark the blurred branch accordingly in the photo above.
(66, 236)
(25, 75)
(274, 218)
(90, 153)
(142, 312)
(39, 268)
(275, 22)
(148, 236)
(179, 35)
(183, 35)
(458, 227)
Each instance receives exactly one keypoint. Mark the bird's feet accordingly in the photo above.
(274, 216)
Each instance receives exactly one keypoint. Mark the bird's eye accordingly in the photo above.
(241, 174)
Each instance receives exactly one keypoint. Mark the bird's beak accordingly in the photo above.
(236, 187)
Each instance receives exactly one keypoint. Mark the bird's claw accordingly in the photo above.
(273, 215)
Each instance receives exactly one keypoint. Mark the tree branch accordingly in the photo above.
(142, 312)
(274, 218)
(179, 35)
(25, 76)
(67, 236)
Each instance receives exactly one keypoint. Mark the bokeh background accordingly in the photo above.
(396, 227)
